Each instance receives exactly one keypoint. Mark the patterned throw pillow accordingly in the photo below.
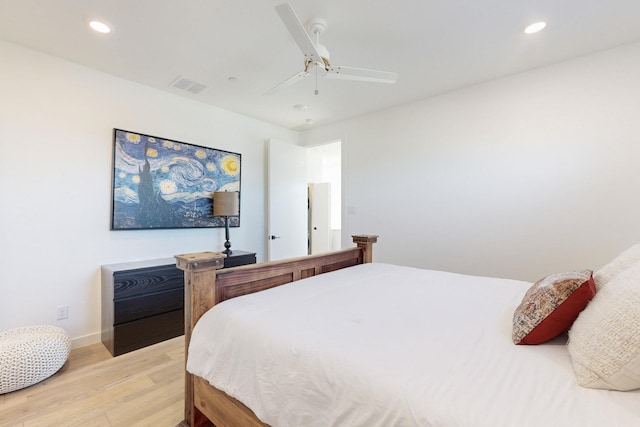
(551, 305)
(604, 342)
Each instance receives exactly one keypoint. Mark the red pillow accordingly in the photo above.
(551, 305)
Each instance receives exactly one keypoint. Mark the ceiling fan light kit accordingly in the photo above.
(317, 55)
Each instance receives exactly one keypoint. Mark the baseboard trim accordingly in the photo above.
(85, 340)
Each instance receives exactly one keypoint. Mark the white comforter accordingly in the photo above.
(383, 345)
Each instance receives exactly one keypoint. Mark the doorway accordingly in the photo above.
(325, 197)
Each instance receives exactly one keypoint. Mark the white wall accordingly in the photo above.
(518, 177)
(56, 124)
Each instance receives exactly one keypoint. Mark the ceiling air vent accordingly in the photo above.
(188, 84)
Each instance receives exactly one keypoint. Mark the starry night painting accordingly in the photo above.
(160, 183)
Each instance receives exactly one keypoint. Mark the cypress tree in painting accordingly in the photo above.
(153, 210)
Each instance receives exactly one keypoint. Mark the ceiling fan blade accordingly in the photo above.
(300, 35)
(361, 74)
(291, 80)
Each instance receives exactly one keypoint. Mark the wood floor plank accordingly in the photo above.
(141, 388)
(165, 417)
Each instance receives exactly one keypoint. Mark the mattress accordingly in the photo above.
(385, 345)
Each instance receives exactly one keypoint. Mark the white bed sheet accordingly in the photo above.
(384, 345)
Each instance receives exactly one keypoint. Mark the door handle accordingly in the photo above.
(272, 237)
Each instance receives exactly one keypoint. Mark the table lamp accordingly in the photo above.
(226, 204)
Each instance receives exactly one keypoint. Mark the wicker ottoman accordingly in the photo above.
(30, 354)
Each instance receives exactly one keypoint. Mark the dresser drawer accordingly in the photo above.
(151, 330)
(128, 309)
(131, 283)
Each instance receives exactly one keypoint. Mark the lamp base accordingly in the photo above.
(227, 244)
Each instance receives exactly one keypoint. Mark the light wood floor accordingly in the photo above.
(93, 389)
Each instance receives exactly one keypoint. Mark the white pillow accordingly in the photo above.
(604, 341)
(616, 265)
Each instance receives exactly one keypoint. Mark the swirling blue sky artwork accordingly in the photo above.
(160, 183)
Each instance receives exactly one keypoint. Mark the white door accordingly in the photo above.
(286, 201)
(320, 217)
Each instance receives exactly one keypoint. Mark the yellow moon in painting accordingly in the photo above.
(230, 165)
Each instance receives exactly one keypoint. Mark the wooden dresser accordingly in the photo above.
(143, 301)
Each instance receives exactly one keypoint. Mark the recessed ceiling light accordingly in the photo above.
(535, 27)
(100, 27)
(232, 79)
(299, 107)
(310, 121)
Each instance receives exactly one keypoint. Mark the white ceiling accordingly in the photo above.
(434, 45)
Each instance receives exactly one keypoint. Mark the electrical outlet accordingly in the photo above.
(62, 312)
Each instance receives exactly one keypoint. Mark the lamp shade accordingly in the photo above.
(226, 203)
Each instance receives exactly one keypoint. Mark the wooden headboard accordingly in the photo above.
(207, 284)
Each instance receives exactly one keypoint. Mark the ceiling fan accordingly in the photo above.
(317, 56)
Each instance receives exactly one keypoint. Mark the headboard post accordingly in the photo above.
(199, 279)
(365, 241)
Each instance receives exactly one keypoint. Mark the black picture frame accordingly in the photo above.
(160, 183)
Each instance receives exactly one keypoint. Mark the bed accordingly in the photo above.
(369, 344)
